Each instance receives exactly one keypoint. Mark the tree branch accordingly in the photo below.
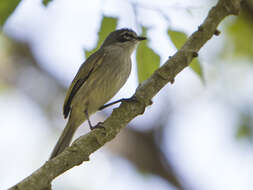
(85, 145)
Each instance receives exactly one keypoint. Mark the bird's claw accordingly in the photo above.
(98, 126)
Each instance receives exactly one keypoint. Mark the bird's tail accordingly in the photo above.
(64, 139)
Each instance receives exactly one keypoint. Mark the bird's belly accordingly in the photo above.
(100, 88)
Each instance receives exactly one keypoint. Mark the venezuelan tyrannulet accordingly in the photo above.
(99, 78)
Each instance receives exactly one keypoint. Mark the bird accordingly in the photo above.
(98, 79)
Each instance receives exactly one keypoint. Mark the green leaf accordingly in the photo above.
(6, 9)
(196, 67)
(244, 130)
(108, 25)
(147, 60)
(45, 2)
(239, 42)
(178, 39)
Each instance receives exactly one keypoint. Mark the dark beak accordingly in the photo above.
(140, 38)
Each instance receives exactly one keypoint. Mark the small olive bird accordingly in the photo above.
(98, 79)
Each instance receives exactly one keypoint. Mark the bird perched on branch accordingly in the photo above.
(98, 79)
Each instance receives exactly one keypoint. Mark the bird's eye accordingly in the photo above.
(126, 37)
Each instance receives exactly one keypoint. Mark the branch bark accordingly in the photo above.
(85, 145)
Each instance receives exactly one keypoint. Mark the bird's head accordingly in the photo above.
(124, 37)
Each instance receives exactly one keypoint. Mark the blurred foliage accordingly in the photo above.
(108, 24)
(45, 2)
(6, 9)
(6, 69)
(147, 60)
(245, 127)
(240, 37)
(178, 39)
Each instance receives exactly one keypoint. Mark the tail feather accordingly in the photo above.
(64, 139)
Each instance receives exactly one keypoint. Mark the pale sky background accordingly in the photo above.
(201, 129)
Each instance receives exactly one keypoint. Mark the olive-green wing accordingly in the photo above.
(84, 72)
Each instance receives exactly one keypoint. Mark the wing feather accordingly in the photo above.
(84, 72)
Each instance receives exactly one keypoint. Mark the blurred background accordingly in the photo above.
(198, 133)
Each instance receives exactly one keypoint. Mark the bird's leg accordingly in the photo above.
(89, 122)
(110, 104)
(88, 118)
(115, 102)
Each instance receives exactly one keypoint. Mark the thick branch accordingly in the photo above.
(120, 117)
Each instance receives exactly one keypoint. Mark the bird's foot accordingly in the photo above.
(98, 126)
